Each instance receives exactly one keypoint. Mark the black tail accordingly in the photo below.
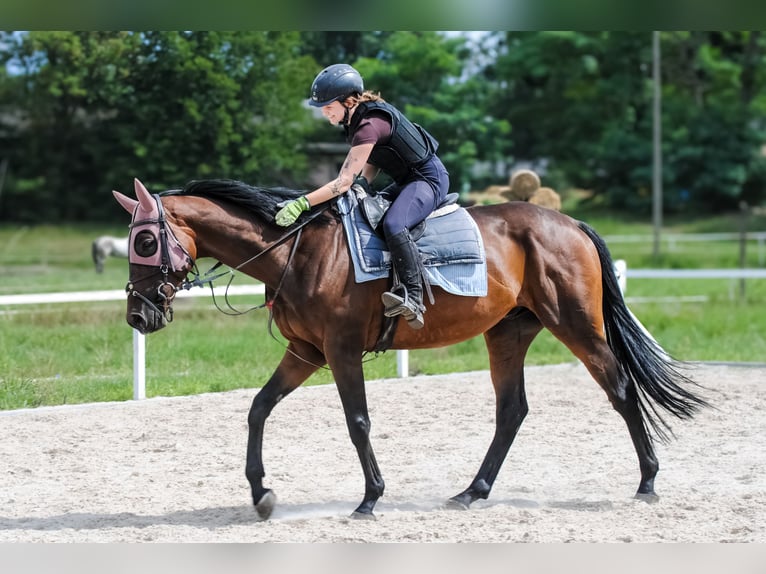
(656, 376)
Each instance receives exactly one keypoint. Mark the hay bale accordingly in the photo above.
(523, 184)
(546, 197)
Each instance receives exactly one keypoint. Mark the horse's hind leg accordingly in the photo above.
(507, 343)
(601, 363)
(623, 395)
(98, 256)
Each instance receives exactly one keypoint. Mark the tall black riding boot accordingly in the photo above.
(407, 298)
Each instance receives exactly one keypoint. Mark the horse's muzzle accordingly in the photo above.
(147, 321)
(145, 317)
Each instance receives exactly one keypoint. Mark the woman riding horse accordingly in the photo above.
(381, 138)
(544, 270)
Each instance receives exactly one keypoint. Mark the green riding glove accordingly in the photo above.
(291, 210)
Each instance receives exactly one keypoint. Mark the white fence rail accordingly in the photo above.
(402, 356)
(747, 273)
(139, 341)
(116, 295)
(673, 239)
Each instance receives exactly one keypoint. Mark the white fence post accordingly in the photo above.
(139, 366)
(621, 271)
(402, 363)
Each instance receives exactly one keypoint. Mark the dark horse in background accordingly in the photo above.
(545, 270)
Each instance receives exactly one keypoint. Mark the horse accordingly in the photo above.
(545, 270)
(105, 246)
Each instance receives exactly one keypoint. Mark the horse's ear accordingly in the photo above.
(128, 203)
(144, 197)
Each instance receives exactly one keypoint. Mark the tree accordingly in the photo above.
(67, 83)
(84, 112)
(582, 102)
(422, 74)
(99, 108)
(716, 111)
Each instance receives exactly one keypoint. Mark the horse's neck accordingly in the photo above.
(241, 242)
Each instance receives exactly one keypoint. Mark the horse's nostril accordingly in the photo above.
(137, 321)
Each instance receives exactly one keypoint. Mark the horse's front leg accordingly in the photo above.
(290, 374)
(349, 378)
(507, 344)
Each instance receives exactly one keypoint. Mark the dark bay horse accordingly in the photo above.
(545, 270)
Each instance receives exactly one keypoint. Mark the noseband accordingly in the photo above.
(167, 300)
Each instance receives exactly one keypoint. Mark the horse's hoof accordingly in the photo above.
(648, 497)
(265, 506)
(356, 515)
(455, 504)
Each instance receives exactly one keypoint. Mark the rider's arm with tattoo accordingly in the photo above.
(355, 163)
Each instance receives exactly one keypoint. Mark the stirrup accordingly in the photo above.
(397, 301)
(397, 305)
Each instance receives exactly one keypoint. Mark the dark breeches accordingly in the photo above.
(417, 198)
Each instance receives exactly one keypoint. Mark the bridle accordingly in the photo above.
(166, 290)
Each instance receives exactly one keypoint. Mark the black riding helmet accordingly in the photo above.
(335, 82)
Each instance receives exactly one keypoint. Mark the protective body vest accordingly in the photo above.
(408, 147)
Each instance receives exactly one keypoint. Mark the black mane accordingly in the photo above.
(261, 201)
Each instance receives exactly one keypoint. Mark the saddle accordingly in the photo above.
(374, 205)
(449, 242)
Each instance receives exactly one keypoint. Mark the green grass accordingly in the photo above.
(45, 259)
(72, 353)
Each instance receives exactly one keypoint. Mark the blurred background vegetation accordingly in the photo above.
(82, 113)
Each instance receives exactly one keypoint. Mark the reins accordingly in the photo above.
(200, 281)
(268, 303)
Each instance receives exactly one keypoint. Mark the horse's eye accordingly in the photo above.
(145, 244)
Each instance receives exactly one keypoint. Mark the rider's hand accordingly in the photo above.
(291, 210)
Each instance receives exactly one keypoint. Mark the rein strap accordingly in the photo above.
(208, 278)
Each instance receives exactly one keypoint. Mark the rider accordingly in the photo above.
(381, 139)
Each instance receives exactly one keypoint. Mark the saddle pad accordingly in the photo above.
(452, 249)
